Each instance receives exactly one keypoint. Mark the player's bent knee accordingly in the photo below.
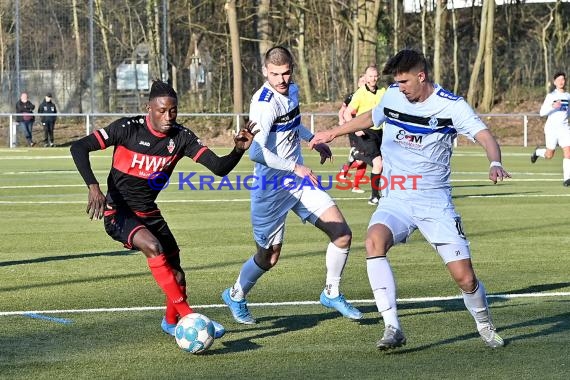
(267, 258)
(342, 241)
(375, 247)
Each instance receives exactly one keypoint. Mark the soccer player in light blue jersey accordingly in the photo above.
(282, 184)
(421, 121)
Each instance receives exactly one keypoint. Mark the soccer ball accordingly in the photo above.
(194, 333)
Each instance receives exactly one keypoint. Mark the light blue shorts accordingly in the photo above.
(269, 210)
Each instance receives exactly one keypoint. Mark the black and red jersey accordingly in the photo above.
(139, 152)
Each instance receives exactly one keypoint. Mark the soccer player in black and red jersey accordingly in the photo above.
(147, 147)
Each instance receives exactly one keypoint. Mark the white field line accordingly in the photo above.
(219, 200)
(276, 304)
(217, 181)
(247, 199)
(305, 154)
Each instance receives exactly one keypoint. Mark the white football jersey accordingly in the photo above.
(276, 147)
(418, 141)
(557, 117)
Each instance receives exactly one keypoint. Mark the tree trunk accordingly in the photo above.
(263, 28)
(455, 50)
(437, 41)
(487, 101)
(545, 51)
(355, 56)
(424, 37)
(153, 39)
(103, 25)
(78, 52)
(236, 55)
(471, 93)
(562, 34)
(395, 28)
(3, 47)
(368, 13)
(301, 61)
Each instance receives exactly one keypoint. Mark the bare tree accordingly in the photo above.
(236, 55)
(545, 49)
(263, 27)
(301, 61)
(471, 93)
(395, 26)
(368, 12)
(103, 29)
(487, 100)
(437, 36)
(562, 33)
(455, 49)
(424, 37)
(153, 37)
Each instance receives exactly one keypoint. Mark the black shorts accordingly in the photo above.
(123, 224)
(368, 146)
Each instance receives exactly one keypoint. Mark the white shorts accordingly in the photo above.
(437, 221)
(556, 135)
(269, 211)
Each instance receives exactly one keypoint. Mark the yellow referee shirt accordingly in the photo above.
(364, 100)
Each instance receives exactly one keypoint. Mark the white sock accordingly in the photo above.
(383, 286)
(476, 303)
(248, 276)
(566, 168)
(335, 260)
(540, 152)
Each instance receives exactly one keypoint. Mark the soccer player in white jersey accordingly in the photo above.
(282, 184)
(556, 129)
(421, 121)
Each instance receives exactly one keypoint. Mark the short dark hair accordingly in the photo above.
(404, 61)
(278, 56)
(161, 89)
(558, 74)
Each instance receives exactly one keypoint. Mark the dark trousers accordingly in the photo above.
(48, 132)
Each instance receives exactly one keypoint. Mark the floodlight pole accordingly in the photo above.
(91, 58)
(17, 58)
(164, 42)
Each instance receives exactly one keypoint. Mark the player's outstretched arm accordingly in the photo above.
(221, 166)
(359, 123)
(488, 142)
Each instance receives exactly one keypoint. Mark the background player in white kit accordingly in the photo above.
(276, 151)
(421, 121)
(556, 128)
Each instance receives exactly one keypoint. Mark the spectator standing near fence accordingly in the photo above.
(556, 128)
(25, 117)
(48, 110)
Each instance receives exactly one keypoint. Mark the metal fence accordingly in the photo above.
(509, 129)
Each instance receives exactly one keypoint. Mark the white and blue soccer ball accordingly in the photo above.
(194, 333)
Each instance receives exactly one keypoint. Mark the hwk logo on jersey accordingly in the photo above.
(170, 146)
(433, 122)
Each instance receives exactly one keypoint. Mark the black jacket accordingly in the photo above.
(27, 107)
(47, 108)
